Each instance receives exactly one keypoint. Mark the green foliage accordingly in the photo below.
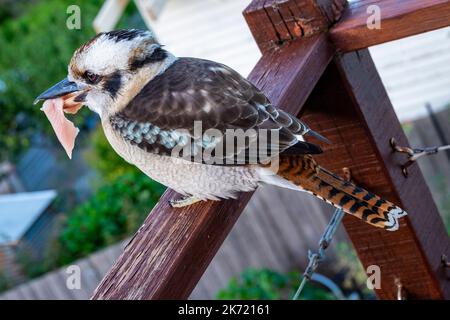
(265, 284)
(13, 8)
(260, 284)
(35, 50)
(114, 212)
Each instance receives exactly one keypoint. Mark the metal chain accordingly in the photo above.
(317, 257)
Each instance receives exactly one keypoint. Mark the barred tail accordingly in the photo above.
(304, 172)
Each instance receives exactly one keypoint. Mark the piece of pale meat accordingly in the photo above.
(65, 131)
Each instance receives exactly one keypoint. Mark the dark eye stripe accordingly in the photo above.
(159, 54)
(112, 83)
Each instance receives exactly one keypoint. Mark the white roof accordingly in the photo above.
(18, 212)
(415, 71)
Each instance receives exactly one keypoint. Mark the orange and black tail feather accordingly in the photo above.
(304, 172)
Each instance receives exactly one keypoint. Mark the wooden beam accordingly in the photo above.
(350, 106)
(274, 22)
(168, 255)
(399, 19)
(173, 248)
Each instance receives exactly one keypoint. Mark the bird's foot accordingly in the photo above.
(183, 202)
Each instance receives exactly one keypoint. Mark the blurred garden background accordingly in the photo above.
(55, 212)
(101, 199)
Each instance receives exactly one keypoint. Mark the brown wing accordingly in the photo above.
(193, 92)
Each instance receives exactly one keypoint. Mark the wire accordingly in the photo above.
(316, 258)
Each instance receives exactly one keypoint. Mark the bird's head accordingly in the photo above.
(108, 71)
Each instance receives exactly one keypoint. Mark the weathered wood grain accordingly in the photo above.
(171, 250)
(350, 106)
(399, 19)
(275, 22)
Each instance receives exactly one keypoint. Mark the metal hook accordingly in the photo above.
(396, 148)
(414, 154)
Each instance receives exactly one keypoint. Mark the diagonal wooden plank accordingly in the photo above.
(399, 19)
(171, 250)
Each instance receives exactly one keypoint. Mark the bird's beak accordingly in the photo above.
(60, 89)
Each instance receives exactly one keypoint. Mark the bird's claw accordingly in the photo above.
(183, 202)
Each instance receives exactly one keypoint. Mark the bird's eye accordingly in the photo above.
(91, 77)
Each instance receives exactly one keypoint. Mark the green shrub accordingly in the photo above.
(35, 50)
(114, 212)
(265, 284)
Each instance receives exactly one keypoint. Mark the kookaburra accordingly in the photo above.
(151, 104)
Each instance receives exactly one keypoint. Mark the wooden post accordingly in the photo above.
(350, 106)
(168, 255)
